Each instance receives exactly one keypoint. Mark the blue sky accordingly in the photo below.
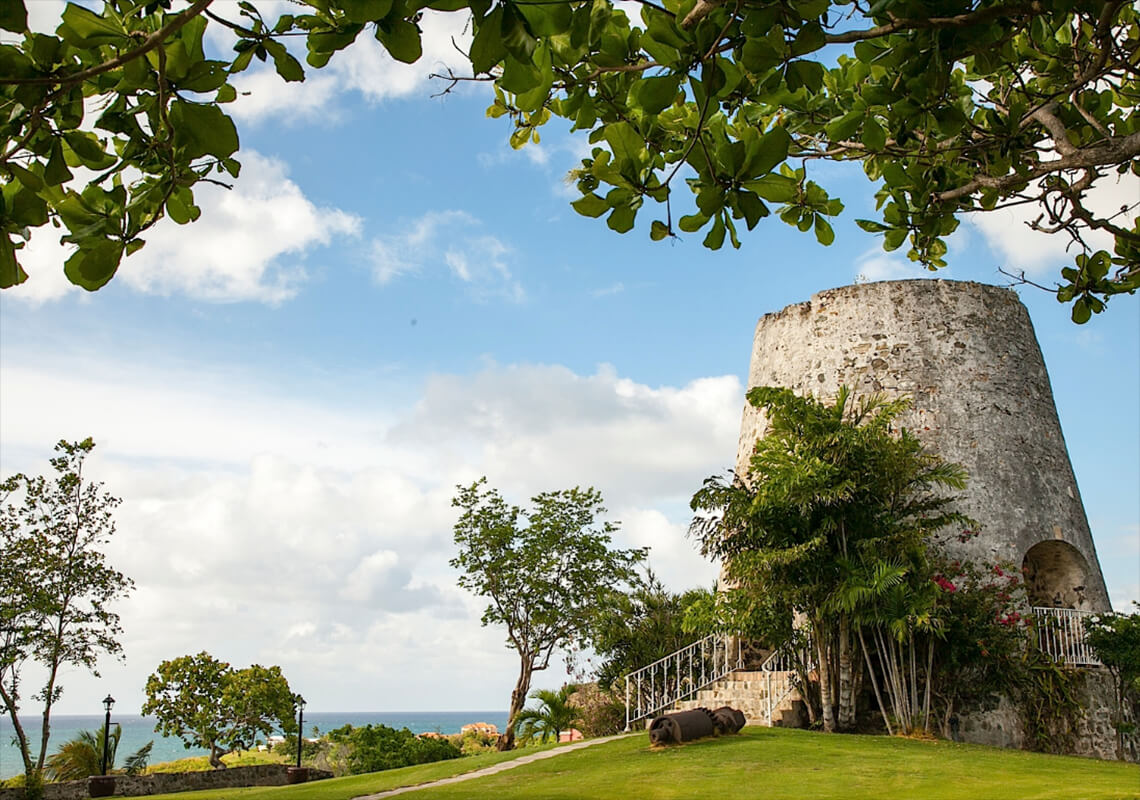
(390, 302)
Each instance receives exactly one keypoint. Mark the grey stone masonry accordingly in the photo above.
(966, 355)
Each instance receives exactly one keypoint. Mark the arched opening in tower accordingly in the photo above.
(1055, 575)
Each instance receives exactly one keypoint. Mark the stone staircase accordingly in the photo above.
(750, 692)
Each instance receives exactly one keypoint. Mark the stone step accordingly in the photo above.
(748, 692)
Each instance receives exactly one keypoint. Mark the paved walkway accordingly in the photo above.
(494, 768)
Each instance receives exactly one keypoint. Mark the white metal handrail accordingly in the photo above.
(1061, 635)
(784, 659)
(678, 676)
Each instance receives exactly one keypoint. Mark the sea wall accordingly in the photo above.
(167, 783)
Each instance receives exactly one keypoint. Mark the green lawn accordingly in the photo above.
(355, 785)
(759, 764)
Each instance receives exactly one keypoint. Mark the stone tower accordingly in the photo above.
(966, 354)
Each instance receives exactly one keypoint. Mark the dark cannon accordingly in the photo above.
(728, 720)
(681, 726)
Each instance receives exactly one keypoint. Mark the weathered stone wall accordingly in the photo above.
(165, 783)
(967, 356)
(999, 724)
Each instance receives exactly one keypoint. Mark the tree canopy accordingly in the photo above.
(835, 509)
(207, 703)
(951, 108)
(58, 589)
(638, 627)
(544, 572)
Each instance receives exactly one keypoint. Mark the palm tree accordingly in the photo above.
(553, 715)
(82, 756)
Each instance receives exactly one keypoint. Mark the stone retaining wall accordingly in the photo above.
(167, 783)
(1000, 724)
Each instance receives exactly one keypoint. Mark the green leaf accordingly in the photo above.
(874, 137)
(29, 179)
(518, 77)
(591, 205)
(84, 28)
(774, 188)
(402, 41)
(365, 10)
(871, 226)
(95, 264)
(517, 38)
(658, 230)
(758, 56)
(804, 74)
(622, 218)
(752, 207)
(13, 17)
(772, 150)
(203, 129)
(56, 172)
(11, 273)
(692, 223)
(226, 94)
(715, 238)
(842, 128)
(487, 48)
(810, 38)
(1081, 311)
(823, 231)
(654, 95)
(894, 238)
(180, 206)
(87, 148)
(287, 67)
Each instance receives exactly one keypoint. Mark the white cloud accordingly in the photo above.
(1007, 230)
(877, 265)
(250, 244)
(273, 524)
(449, 238)
(364, 68)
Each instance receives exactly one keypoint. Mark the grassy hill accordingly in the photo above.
(759, 764)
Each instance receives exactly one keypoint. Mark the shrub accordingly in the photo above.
(377, 747)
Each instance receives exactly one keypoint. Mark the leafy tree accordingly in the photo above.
(637, 628)
(1116, 640)
(379, 747)
(831, 487)
(554, 713)
(58, 588)
(951, 108)
(209, 704)
(545, 572)
(83, 755)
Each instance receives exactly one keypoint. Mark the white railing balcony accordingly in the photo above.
(678, 676)
(1061, 635)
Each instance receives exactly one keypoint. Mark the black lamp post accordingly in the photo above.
(300, 727)
(108, 701)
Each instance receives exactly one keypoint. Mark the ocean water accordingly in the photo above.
(137, 731)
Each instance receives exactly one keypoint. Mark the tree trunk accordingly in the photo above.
(846, 703)
(826, 689)
(216, 754)
(518, 700)
(875, 682)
